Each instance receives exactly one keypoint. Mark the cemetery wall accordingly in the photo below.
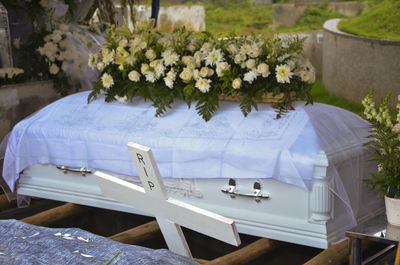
(18, 101)
(352, 65)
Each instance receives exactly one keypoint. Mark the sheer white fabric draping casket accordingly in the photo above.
(311, 163)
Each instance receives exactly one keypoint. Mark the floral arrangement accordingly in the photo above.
(197, 67)
(9, 75)
(66, 50)
(385, 143)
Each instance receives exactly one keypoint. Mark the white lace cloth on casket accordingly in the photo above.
(73, 133)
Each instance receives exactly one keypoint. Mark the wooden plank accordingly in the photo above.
(5, 204)
(247, 254)
(138, 234)
(336, 254)
(397, 260)
(56, 214)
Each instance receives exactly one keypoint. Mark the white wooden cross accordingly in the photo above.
(170, 213)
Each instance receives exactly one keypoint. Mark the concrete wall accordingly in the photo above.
(352, 65)
(20, 100)
(172, 17)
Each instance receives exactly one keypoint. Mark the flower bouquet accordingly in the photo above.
(197, 67)
(385, 143)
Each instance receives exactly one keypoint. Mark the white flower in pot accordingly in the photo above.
(385, 144)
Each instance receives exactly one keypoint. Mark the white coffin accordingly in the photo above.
(309, 201)
(290, 214)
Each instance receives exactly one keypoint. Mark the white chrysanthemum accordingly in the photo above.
(283, 73)
(237, 83)
(203, 85)
(134, 76)
(186, 75)
(158, 68)
(169, 82)
(263, 69)
(170, 57)
(214, 57)
(54, 69)
(122, 100)
(150, 54)
(250, 76)
(150, 76)
(245, 49)
(107, 80)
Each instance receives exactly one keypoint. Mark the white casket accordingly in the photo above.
(298, 179)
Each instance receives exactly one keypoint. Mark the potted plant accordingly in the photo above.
(385, 144)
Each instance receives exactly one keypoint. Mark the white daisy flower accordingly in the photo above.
(283, 73)
(107, 80)
(203, 85)
(170, 57)
(250, 76)
(214, 57)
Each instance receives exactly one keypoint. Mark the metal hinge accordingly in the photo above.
(257, 194)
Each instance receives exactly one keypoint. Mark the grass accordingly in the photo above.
(224, 17)
(320, 95)
(241, 19)
(381, 20)
(312, 19)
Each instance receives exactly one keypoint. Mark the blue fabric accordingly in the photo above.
(22, 244)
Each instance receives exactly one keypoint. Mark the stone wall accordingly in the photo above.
(172, 17)
(352, 65)
(20, 100)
